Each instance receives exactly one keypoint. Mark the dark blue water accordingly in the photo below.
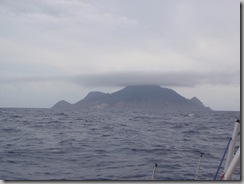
(47, 144)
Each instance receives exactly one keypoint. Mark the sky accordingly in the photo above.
(53, 50)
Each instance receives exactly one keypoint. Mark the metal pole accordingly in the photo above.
(232, 166)
(198, 167)
(154, 171)
(232, 145)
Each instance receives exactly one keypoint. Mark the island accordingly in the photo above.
(151, 97)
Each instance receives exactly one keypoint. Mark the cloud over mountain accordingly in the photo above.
(86, 44)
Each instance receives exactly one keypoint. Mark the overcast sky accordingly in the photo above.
(55, 50)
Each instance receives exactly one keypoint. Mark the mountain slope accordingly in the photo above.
(91, 98)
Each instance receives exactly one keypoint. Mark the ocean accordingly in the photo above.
(51, 144)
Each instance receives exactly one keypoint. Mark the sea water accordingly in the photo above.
(51, 144)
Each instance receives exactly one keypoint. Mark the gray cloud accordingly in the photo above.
(171, 79)
(179, 79)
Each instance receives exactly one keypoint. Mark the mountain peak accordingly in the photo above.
(142, 87)
(197, 101)
(62, 104)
